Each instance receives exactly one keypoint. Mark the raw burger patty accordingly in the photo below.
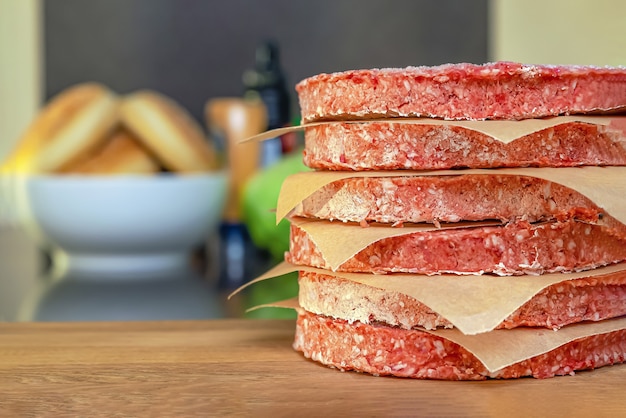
(390, 146)
(383, 350)
(515, 248)
(585, 299)
(501, 90)
(470, 197)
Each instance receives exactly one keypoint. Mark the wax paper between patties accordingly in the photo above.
(474, 304)
(485, 300)
(496, 349)
(338, 241)
(604, 186)
(504, 131)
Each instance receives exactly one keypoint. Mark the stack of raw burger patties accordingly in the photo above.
(374, 123)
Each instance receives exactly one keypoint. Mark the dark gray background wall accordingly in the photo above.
(193, 50)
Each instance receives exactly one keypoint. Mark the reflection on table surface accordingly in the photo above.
(184, 295)
(31, 291)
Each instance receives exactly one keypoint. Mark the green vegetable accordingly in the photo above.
(259, 202)
(279, 288)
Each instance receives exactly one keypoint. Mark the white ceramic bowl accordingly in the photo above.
(124, 224)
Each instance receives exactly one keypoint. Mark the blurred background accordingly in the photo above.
(193, 51)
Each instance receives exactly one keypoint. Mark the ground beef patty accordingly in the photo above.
(384, 350)
(515, 248)
(501, 90)
(391, 146)
(466, 197)
(585, 299)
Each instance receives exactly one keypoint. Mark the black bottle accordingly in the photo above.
(267, 81)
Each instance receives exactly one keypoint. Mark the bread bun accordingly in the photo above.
(121, 154)
(168, 131)
(69, 127)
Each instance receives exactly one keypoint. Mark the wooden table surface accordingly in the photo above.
(247, 368)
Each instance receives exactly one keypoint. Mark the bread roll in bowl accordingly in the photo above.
(68, 128)
(121, 154)
(168, 131)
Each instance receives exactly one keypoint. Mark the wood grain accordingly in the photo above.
(247, 368)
